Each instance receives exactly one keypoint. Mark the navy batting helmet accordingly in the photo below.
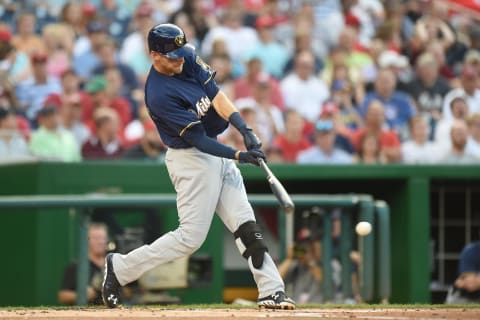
(169, 40)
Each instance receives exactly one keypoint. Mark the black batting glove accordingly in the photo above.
(251, 140)
(251, 156)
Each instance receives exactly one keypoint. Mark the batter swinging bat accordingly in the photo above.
(278, 189)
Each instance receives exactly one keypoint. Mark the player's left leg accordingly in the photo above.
(237, 214)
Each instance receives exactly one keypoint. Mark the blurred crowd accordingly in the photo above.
(320, 81)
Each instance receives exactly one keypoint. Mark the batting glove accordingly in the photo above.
(251, 140)
(251, 156)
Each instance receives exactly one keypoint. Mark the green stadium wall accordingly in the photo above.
(37, 244)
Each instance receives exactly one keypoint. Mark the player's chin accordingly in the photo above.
(179, 69)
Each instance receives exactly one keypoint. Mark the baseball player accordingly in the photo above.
(189, 111)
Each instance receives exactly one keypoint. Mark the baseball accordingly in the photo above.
(363, 228)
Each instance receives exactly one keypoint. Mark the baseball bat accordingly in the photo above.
(277, 188)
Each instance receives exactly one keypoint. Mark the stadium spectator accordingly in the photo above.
(324, 150)
(428, 88)
(13, 145)
(459, 111)
(473, 143)
(273, 54)
(419, 150)
(466, 288)
(469, 86)
(458, 153)
(301, 270)
(195, 13)
(240, 39)
(25, 39)
(71, 117)
(303, 91)
(104, 143)
(303, 42)
(58, 40)
(49, 142)
(97, 87)
(149, 148)
(86, 48)
(291, 142)
(32, 92)
(97, 249)
(129, 84)
(269, 117)
(330, 111)
(244, 86)
(222, 64)
(134, 51)
(398, 106)
(348, 118)
(369, 150)
(374, 123)
(432, 26)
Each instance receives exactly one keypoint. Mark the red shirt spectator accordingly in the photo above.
(244, 86)
(293, 140)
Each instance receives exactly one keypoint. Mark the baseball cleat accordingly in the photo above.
(277, 300)
(110, 286)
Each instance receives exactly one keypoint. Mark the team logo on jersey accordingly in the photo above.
(202, 106)
(179, 40)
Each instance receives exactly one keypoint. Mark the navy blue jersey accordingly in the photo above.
(179, 102)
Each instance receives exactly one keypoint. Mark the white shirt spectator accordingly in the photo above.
(14, 149)
(473, 102)
(414, 153)
(305, 96)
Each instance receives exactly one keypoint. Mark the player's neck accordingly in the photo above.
(161, 69)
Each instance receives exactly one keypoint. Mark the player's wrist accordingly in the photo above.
(237, 121)
(237, 155)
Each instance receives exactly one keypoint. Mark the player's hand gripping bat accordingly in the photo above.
(278, 189)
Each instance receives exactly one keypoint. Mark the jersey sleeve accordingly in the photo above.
(204, 74)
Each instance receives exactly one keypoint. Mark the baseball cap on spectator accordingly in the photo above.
(265, 21)
(5, 34)
(263, 80)
(39, 57)
(96, 84)
(323, 125)
(352, 21)
(88, 9)
(389, 58)
(329, 109)
(47, 110)
(144, 10)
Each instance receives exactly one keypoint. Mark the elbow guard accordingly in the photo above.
(250, 243)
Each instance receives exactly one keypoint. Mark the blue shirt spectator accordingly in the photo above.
(398, 107)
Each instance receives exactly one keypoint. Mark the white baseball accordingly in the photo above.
(363, 228)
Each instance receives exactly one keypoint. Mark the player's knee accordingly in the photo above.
(193, 238)
(250, 243)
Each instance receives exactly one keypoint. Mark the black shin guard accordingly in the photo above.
(250, 243)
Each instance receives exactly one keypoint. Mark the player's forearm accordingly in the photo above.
(223, 106)
(208, 145)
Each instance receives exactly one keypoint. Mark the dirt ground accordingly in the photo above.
(242, 314)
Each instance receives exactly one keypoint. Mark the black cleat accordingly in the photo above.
(277, 300)
(110, 286)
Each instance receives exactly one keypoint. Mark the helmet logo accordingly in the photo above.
(179, 40)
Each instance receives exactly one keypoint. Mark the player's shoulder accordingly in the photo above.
(195, 65)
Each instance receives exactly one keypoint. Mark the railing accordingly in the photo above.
(367, 211)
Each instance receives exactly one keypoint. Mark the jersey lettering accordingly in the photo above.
(202, 106)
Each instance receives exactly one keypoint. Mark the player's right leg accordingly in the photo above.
(237, 214)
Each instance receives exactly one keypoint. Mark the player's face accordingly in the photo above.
(167, 66)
